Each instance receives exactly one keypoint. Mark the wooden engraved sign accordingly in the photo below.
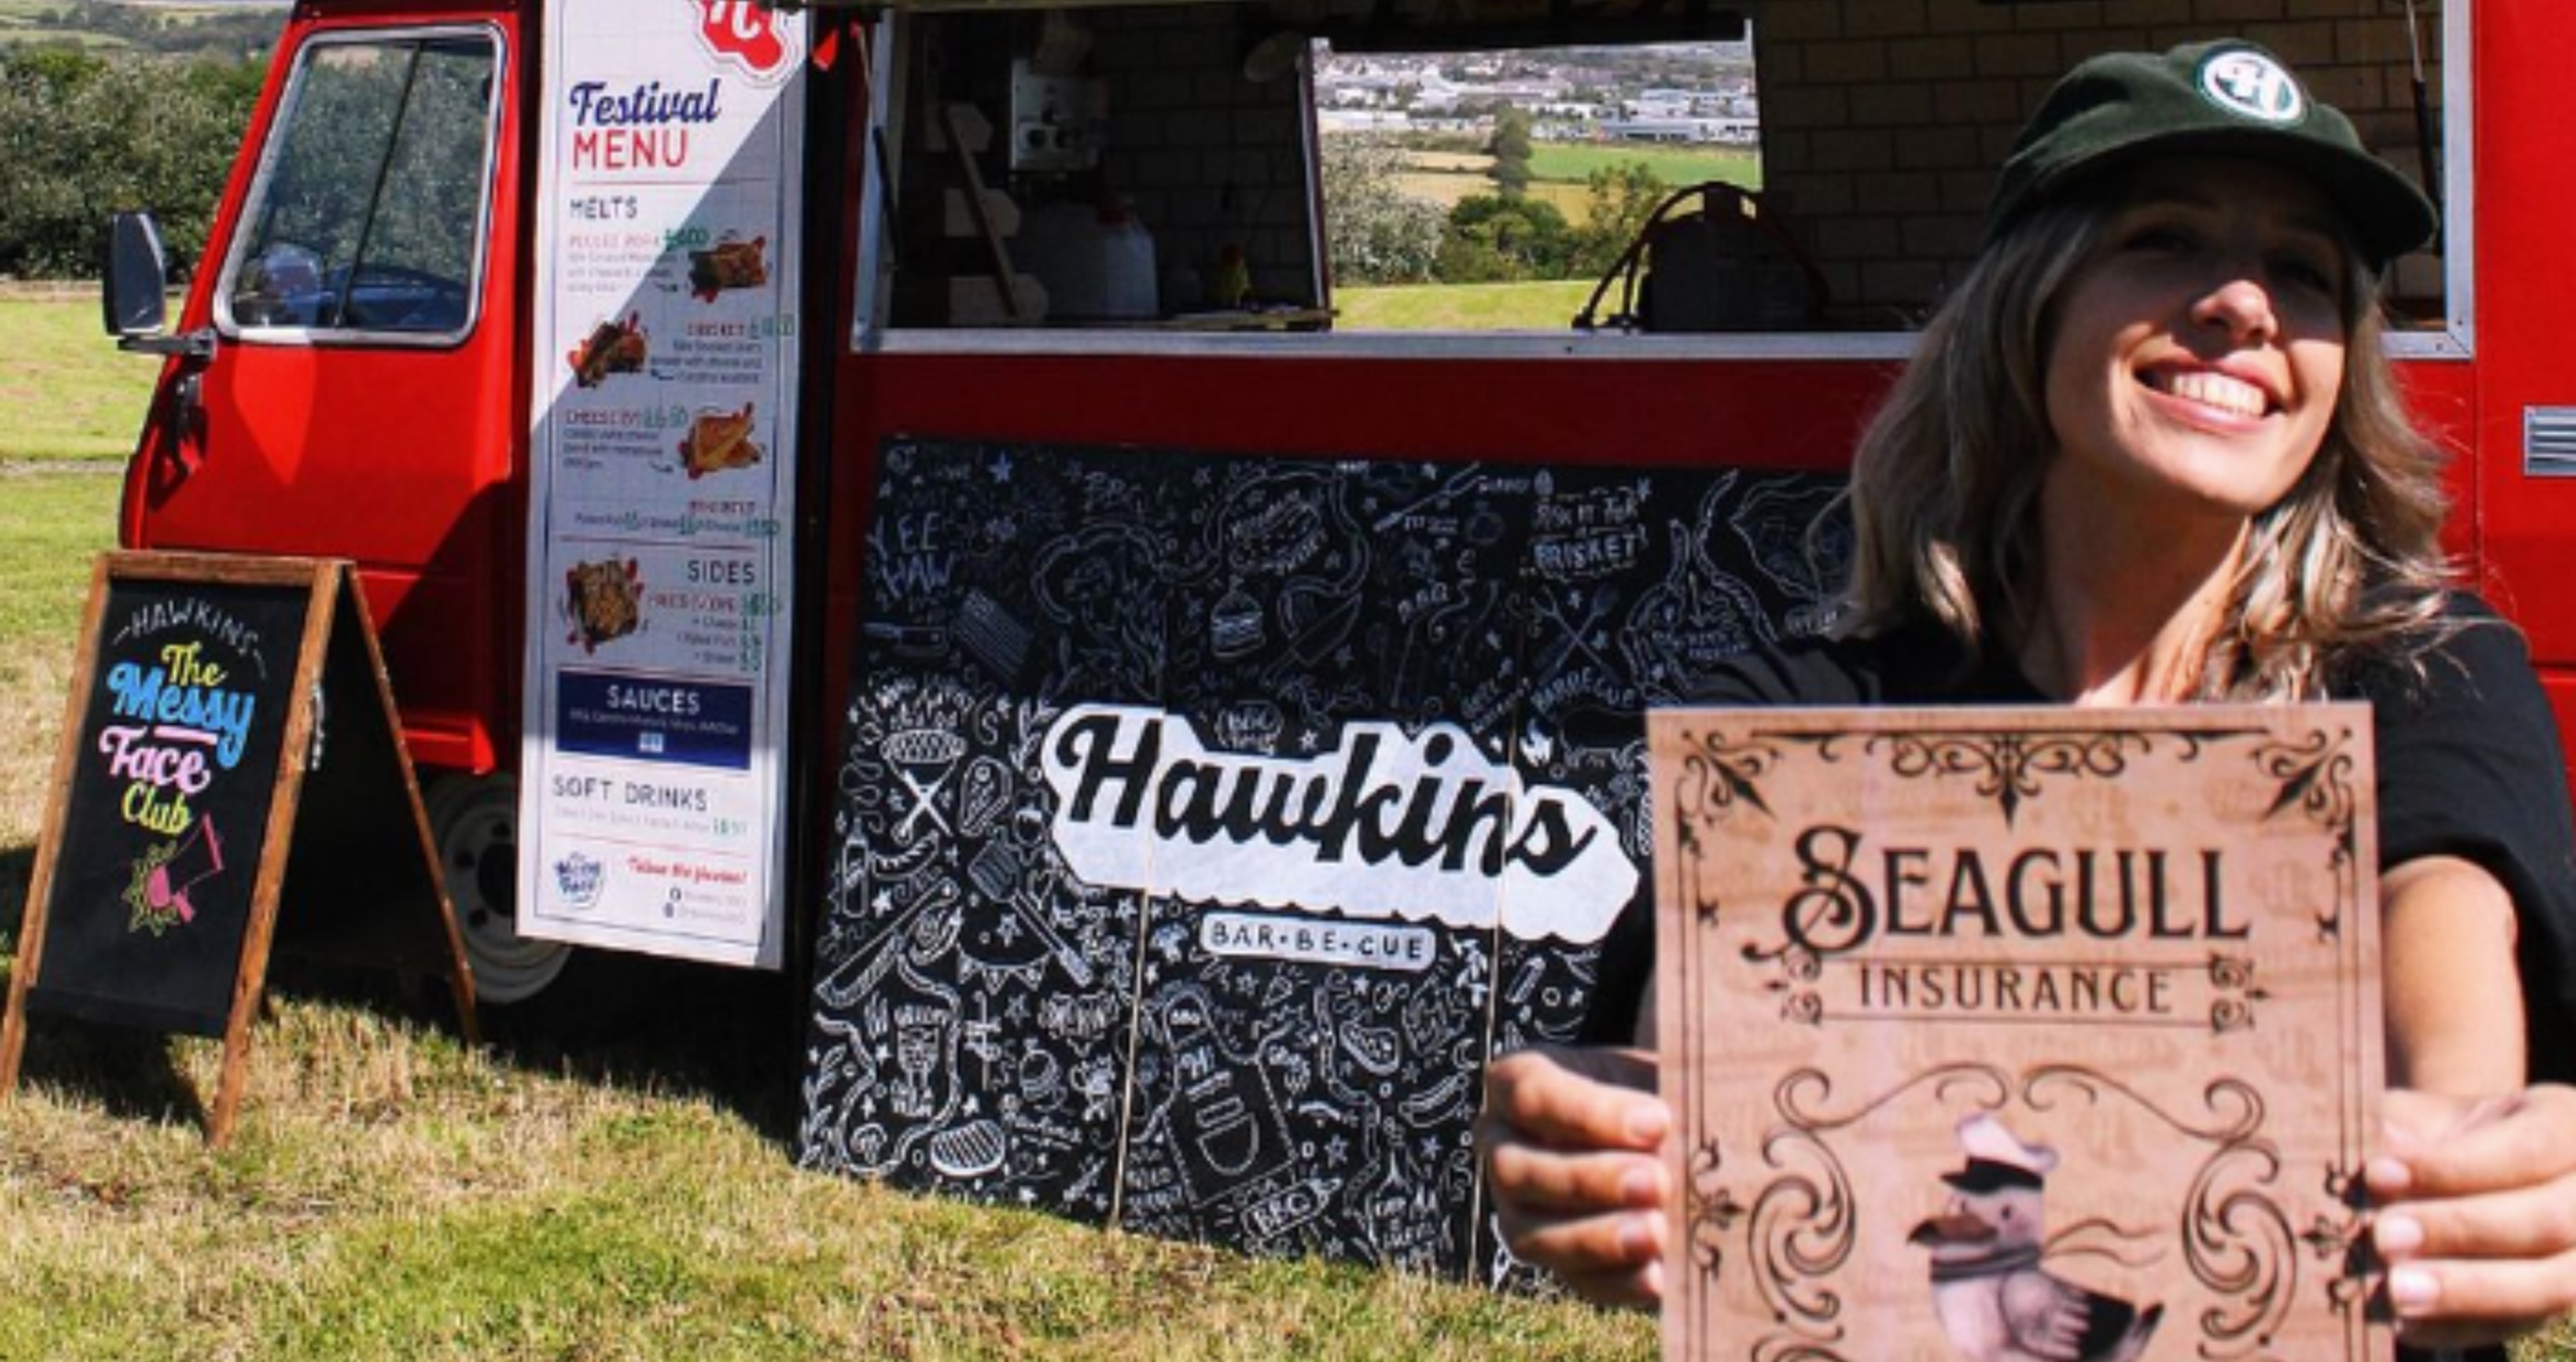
(1997, 1034)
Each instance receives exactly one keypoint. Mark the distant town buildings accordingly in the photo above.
(1572, 94)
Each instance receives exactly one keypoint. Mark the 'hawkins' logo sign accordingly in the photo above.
(1381, 826)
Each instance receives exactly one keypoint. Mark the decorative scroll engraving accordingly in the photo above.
(1805, 1220)
(1719, 775)
(2008, 767)
(1799, 971)
(2232, 978)
(2236, 1236)
(2316, 779)
(1718, 779)
(2238, 1240)
(1710, 1209)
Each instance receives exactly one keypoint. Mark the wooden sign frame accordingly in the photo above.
(341, 742)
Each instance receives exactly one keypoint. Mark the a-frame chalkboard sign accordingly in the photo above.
(231, 781)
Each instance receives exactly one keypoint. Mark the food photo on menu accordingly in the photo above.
(613, 347)
(718, 440)
(728, 265)
(605, 599)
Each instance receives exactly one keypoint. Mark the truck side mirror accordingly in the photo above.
(135, 275)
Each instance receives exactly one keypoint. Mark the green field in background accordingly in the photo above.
(1563, 170)
(1574, 162)
(1447, 187)
(1547, 305)
(70, 393)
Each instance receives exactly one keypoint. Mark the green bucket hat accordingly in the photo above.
(2223, 98)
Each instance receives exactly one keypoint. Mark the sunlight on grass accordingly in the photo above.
(70, 393)
(392, 1194)
(1546, 305)
(51, 526)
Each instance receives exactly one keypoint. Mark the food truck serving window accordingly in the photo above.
(368, 220)
(1771, 176)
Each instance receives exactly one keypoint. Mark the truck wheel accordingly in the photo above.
(474, 820)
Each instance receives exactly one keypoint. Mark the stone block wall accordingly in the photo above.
(1207, 156)
(1884, 121)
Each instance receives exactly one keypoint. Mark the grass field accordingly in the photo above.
(1562, 168)
(1675, 166)
(18, 23)
(1548, 305)
(391, 1194)
(69, 392)
(1447, 187)
(26, 13)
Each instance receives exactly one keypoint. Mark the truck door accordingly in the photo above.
(359, 399)
(2525, 441)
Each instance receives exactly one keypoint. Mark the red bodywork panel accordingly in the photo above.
(2527, 294)
(409, 460)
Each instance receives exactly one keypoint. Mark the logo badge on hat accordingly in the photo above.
(2252, 85)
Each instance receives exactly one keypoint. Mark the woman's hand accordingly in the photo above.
(1572, 1141)
(2477, 1213)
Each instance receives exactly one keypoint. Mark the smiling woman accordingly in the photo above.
(2197, 357)
(2149, 452)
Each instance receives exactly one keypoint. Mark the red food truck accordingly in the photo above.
(650, 356)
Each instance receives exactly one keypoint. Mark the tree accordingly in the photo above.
(1374, 232)
(1617, 199)
(1494, 239)
(1510, 148)
(82, 136)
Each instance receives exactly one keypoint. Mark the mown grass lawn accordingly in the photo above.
(1545, 305)
(392, 1194)
(1675, 166)
(1561, 171)
(69, 392)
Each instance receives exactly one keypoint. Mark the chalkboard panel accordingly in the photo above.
(230, 744)
(166, 809)
(1208, 822)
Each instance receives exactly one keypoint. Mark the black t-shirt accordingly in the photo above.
(2468, 759)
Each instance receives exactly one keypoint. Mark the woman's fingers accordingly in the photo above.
(1572, 1143)
(1553, 1181)
(1578, 1098)
(2458, 1303)
(2441, 1146)
(2535, 1222)
(2478, 1213)
(1595, 1220)
(1611, 1259)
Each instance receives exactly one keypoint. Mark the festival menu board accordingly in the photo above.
(2018, 1032)
(653, 795)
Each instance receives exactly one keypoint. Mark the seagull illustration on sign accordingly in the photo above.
(1995, 1300)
